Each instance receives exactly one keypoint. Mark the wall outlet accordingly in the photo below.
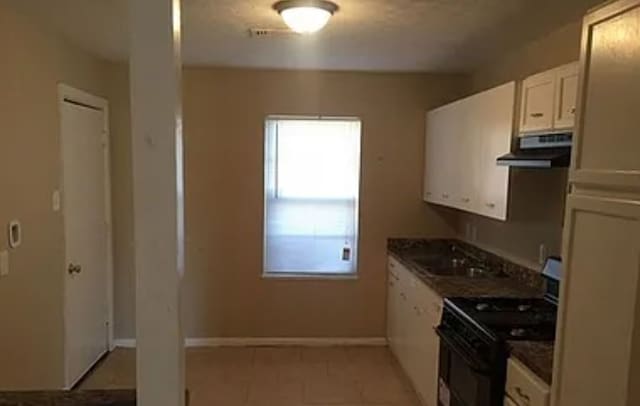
(543, 253)
(4, 263)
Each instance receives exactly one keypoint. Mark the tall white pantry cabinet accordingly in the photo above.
(598, 347)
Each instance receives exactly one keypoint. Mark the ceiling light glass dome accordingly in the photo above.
(306, 16)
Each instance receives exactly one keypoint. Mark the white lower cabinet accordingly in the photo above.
(523, 387)
(413, 312)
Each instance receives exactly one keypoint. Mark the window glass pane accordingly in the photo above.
(311, 190)
(317, 159)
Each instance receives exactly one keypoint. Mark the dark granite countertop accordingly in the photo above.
(535, 355)
(517, 282)
(69, 398)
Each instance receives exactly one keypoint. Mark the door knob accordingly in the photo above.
(74, 269)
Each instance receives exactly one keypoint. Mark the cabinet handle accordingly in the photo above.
(537, 115)
(573, 110)
(491, 205)
(525, 398)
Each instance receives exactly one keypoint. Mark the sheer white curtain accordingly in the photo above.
(312, 176)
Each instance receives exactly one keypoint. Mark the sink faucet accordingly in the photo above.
(479, 259)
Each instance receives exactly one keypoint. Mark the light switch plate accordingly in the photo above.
(55, 200)
(4, 263)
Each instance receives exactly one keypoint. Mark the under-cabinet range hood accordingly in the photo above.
(540, 151)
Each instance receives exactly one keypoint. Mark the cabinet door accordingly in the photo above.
(536, 113)
(396, 326)
(464, 152)
(433, 161)
(427, 348)
(566, 96)
(495, 133)
(393, 296)
(402, 313)
(598, 346)
(607, 139)
(441, 167)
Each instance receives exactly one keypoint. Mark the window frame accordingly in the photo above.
(311, 275)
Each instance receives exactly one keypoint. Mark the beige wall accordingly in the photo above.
(537, 197)
(33, 62)
(224, 112)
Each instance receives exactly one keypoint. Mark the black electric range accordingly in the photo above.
(473, 340)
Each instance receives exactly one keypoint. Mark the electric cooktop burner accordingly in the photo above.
(509, 318)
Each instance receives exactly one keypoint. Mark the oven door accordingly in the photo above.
(464, 379)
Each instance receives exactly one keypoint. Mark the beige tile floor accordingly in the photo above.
(277, 376)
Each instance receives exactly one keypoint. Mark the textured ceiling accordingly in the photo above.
(375, 35)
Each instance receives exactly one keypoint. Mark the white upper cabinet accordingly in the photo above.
(536, 113)
(566, 96)
(493, 130)
(463, 141)
(607, 142)
(446, 127)
(549, 100)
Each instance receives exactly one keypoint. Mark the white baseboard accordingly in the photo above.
(269, 342)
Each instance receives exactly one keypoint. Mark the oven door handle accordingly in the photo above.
(450, 342)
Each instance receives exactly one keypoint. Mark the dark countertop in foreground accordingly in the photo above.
(69, 398)
(535, 355)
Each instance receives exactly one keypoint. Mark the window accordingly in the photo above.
(312, 186)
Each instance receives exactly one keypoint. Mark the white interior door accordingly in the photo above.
(87, 237)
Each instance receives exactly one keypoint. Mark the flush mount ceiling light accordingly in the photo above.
(306, 16)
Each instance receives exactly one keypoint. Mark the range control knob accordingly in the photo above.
(518, 332)
(482, 307)
(524, 307)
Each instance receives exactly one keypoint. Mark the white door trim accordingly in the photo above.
(66, 94)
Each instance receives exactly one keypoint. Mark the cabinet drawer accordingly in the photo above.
(524, 387)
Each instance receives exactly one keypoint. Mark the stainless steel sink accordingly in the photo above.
(455, 267)
(439, 262)
(466, 271)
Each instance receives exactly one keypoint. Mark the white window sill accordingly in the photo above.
(310, 276)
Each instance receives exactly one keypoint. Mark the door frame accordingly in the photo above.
(67, 94)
